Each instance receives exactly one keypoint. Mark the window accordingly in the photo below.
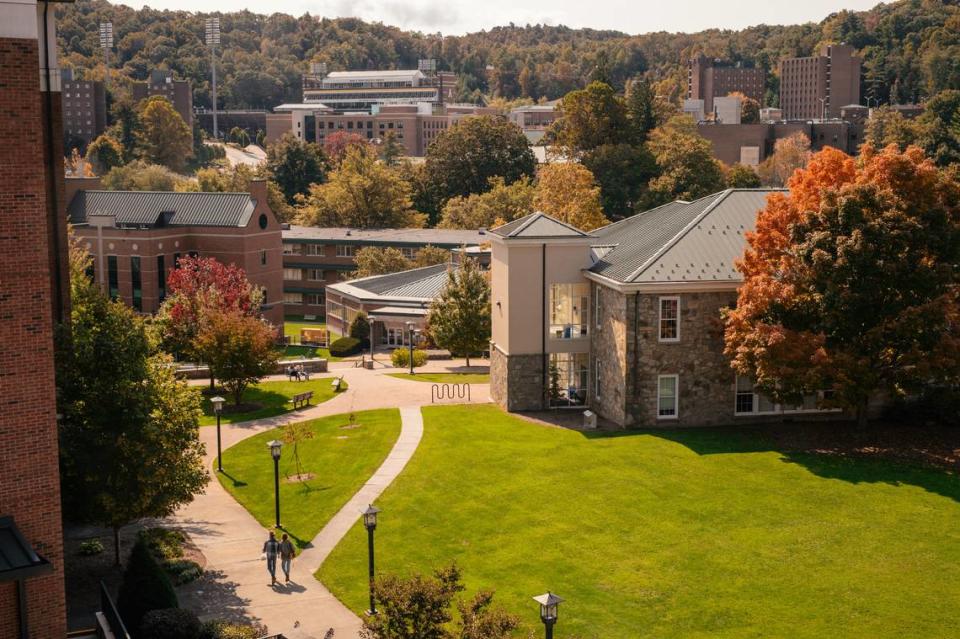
(136, 279)
(291, 249)
(263, 257)
(315, 275)
(409, 253)
(669, 319)
(314, 249)
(113, 277)
(750, 402)
(568, 377)
(161, 279)
(667, 396)
(345, 250)
(292, 274)
(596, 305)
(293, 298)
(569, 310)
(315, 299)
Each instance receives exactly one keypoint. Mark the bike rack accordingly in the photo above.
(449, 391)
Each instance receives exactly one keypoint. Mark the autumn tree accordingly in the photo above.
(687, 168)
(462, 159)
(103, 154)
(741, 176)
(295, 165)
(362, 193)
(568, 192)
(336, 144)
(129, 437)
(459, 319)
(589, 118)
(142, 176)
(164, 138)
(789, 154)
(749, 108)
(237, 179)
(499, 205)
(238, 347)
(391, 149)
(376, 260)
(850, 282)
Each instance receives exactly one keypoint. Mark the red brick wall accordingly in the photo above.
(29, 474)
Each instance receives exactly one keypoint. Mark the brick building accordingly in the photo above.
(34, 296)
(751, 144)
(137, 237)
(627, 316)
(708, 79)
(179, 92)
(316, 257)
(84, 108)
(818, 87)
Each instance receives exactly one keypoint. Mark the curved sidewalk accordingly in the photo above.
(236, 584)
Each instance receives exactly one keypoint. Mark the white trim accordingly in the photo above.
(686, 286)
(596, 306)
(676, 398)
(660, 301)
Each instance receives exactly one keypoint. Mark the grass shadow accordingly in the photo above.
(236, 482)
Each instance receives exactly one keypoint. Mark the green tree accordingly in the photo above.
(940, 127)
(363, 193)
(360, 326)
(391, 150)
(237, 179)
(238, 347)
(126, 120)
(685, 161)
(850, 283)
(623, 172)
(456, 166)
(568, 192)
(459, 319)
(240, 137)
(129, 440)
(501, 204)
(430, 255)
(142, 176)
(590, 118)
(888, 126)
(104, 153)
(295, 165)
(641, 110)
(741, 176)
(164, 138)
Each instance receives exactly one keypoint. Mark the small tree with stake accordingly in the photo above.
(459, 319)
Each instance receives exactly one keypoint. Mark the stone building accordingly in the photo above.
(625, 319)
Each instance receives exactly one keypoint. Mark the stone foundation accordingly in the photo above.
(516, 381)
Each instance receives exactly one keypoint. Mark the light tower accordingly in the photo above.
(213, 39)
(106, 43)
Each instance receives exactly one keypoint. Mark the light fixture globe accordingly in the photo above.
(548, 606)
(218, 403)
(275, 447)
(370, 517)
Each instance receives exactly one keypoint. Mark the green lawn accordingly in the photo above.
(342, 459)
(445, 378)
(273, 397)
(669, 534)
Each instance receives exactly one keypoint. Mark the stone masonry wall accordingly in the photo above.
(610, 350)
(516, 381)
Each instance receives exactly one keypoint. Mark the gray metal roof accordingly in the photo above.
(419, 237)
(144, 208)
(425, 282)
(681, 241)
(536, 225)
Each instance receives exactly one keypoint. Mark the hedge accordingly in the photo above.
(345, 347)
(145, 587)
(400, 358)
(170, 623)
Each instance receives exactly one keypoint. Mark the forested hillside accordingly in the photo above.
(911, 50)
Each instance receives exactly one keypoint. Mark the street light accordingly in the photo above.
(106, 43)
(371, 319)
(218, 403)
(275, 447)
(212, 32)
(370, 523)
(410, 331)
(548, 611)
(823, 109)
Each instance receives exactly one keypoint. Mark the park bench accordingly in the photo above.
(335, 384)
(301, 399)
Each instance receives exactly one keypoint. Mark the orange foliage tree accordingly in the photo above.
(850, 281)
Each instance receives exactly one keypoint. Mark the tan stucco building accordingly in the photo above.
(625, 319)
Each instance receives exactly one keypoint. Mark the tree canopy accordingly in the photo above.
(295, 166)
(459, 319)
(568, 192)
(501, 204)
(164, 137)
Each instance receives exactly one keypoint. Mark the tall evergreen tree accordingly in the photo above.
(641, 109)
(459, 318)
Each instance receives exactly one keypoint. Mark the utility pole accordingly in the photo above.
(213, 39)
(106, 43)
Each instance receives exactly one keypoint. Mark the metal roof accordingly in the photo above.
(373, 75)
(18, 560)
(681, 241)
(536, 225)
(422, 284)
(418, 237)
(144, 208)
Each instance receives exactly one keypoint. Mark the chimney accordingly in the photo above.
(258, 191)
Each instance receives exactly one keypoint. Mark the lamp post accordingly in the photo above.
(275, 447)
(370, 523)
(410, 332)
(218, 403)
(823, 109)
(106, 43)
(212, 31)
(548, 611)
(371, 319)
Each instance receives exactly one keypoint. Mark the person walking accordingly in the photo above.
(286, 555)
(270, 549)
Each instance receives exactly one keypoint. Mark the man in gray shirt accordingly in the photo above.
(270, 548)
(286, 555)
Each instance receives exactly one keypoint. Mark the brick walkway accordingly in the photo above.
(236, 583)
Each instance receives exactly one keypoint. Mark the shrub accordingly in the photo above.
(182, 571)
(220, 629)
(163, 542)
(91, 547)
(145, 587)
(170, 623)
(360, 328)
(345, 347)
(400, 358)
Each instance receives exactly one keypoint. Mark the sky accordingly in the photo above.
(455, 17)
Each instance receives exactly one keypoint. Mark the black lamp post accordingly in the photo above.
(411, 332)
(275, 447)
(218, 403)
(372, 319)
(548, 611)
(370, 523)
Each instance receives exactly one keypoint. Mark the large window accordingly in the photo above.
(293, 298)
(315, 275)
(750, 402)
(394, 337)
(569, 310)
(669, 319)
(113, 277)
(667, 395)
(315, 250)
(346, 250)
(161, 279)
(137, 280)
(292, 274)
(291, 249)
(314, 299)
(568, 378)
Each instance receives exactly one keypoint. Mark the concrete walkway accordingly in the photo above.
(236, 583)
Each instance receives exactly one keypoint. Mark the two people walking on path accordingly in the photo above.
(284, 548)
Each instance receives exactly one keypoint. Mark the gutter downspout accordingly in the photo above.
(543, 325)
(52, 167)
